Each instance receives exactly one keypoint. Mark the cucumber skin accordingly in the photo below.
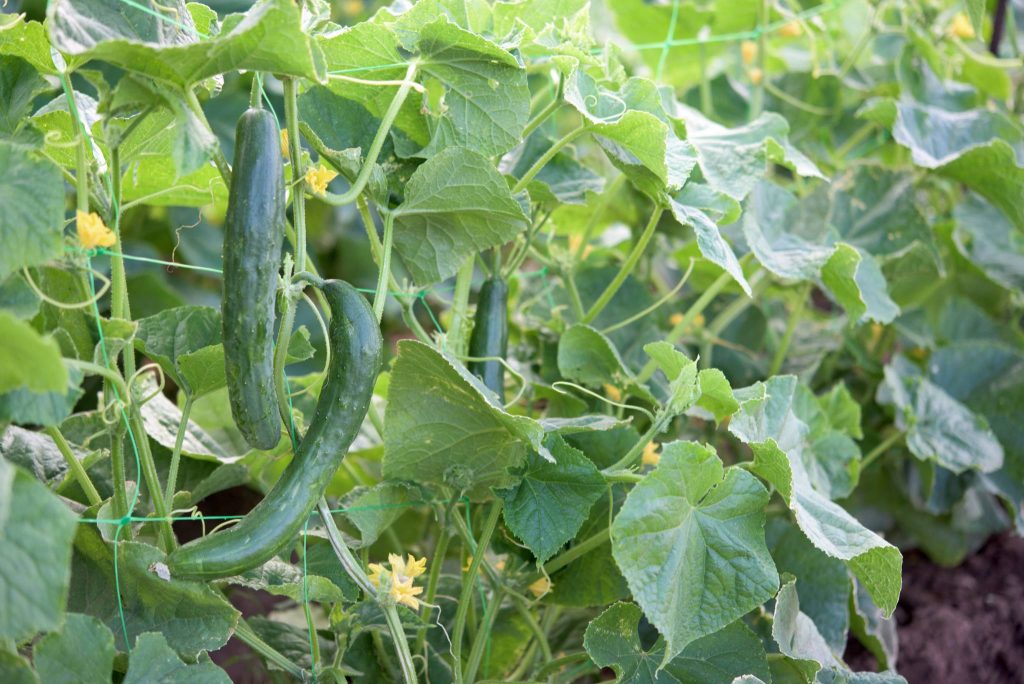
(356, 360)
(253, 232)
(490, 335)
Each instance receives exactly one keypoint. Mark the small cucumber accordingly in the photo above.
(490, 335)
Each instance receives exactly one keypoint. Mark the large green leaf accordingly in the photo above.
(938, 427)
(784, 455)
(37, 454)
(984, 235)
(612, 640)
(26, 39)
(456, 204)
(269, 37)
(174, 333)
(28, 359)
(552, 500)
(797, 635)
(81, 653)
(190, 615)
(32, 221)
(153, 660)
(442, 425)
(690, 542)
(484, 100)
(19, 86)
(42, 408)
(589, 357)
(36, 529)
(712, 245)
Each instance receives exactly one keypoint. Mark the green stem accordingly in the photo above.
(543, 114)
(458, 335)
(757, 97)
(405, 660)
(291, 120)
(627, 267)
(245, 633)
(150, 476)
(569, 555)
(378, 142)
(119, 305)
(558, 663)
(861, 134)
(483, 635)
(179, 439)
(254, 92)
(432, 581)
(727, 315)
(468, 585)
(117, 468)
(219, 160)
(606, 197)
(90, 368)
(523, 607)
(680, 328)
(879, 450)
(281, 359)
(661, 421)
(546, 157)
(75, 466)
(569, 278)
(706, 102)
(314, 640)
(787, 337)
(381, 296)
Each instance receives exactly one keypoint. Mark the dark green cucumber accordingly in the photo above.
(253, 231)
(490, 335)
(356, 358)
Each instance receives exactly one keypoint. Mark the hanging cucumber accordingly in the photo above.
(356, 357)
(490, 335)
(253, 230)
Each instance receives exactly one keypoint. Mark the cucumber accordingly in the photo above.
(356, 358)
(253, 231)
(490, 335)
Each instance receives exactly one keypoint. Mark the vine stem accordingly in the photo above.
(661, 421)
(884, 446)
(787, 337)
(440, 550)
(246, 634)
(569, 555)
(381, 295)
(291, 119)
(386, 122)
(459, 331)
(546, 157)
(627, 267)
(355, 571)
(75, 466)
(544, 113)
(468, 584)
(480, 640)
(179, 439)
(757, 98)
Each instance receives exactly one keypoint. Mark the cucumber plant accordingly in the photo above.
(552, 341)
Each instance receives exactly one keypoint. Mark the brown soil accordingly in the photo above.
(963, 625)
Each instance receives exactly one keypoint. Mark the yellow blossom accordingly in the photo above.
(410, 568)
(756, 76)
(284, 144)
(961, 27)
(540, 587)
(613, 392)
(92, 232)
(376, 571)
(791, 30)
(405, 593)
(500, 565)
(318, 178)
(748, 51)
(698, 321)
(675, 319)
(651, 457)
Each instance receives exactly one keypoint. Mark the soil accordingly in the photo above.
(962, 625)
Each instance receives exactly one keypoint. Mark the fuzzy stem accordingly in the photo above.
(75, 466)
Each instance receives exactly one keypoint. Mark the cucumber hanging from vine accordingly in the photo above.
(490, 335)
(356, 358)
(253, 231)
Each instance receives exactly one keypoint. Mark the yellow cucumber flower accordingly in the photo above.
(748, 51)
(318, 178)
(651, 457)
(285, 152)
(791, 30)
(961, 27)
(613, 392)
(92, 232)
(540, 587)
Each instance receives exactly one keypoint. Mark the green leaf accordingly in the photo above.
(985, 236)
(190, 615)
(269, 37)
(485, 101)
(36, 453)
(467, 440)
(588, 357)
(936, 137)
(857, 283)
(42, 408)
(823, 583)
(36, 529)
(81, 653)
(28, 359)
(552, 500)
(173, 333)
(712, 245)
(876, 632)
(842, 410)
(18, 298)
(938, 427)
(26, 39)
(733, 160)
(284, 579)
(19, 85)
(976, 13)
(374, 509)
(161, 418)
(796, 634)
(716, 394)
(32, 221)
(202, 371)
(681, 373)
(780, 235)
(561, 180)
(612, 640)
(784, 455)
(153, 660)
(690, 542)
(16, 670)
(456, 204)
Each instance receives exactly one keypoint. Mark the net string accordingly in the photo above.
(129, 518)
